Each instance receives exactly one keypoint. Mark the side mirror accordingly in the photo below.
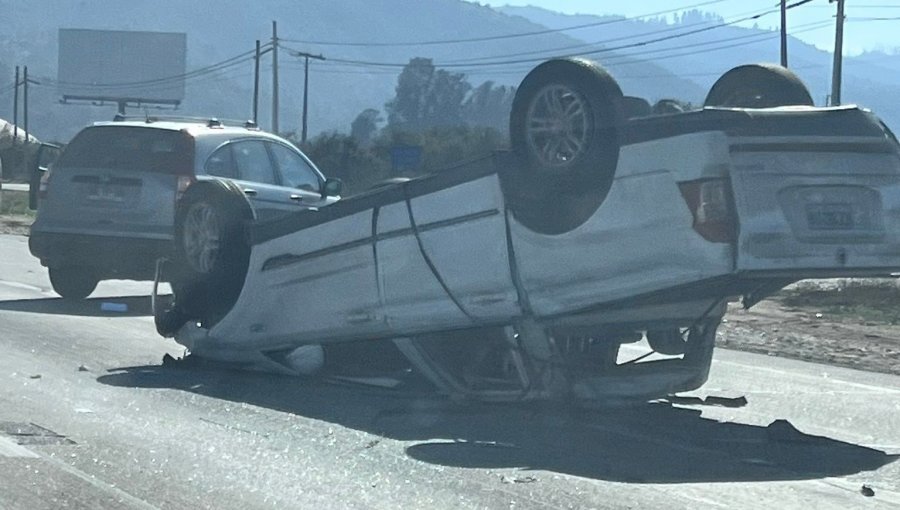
(332, 188)
(47, 154)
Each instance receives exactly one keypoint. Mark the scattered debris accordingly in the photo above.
(372, 443)
(866, 491)
(35, 376)
(784, 431)
(24, 433)
(710, 400)
(726, 401)
(379, 382)
(113, 307)
(83, 368)
(517, 479)
(183, 362)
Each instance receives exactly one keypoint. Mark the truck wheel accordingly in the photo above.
(758, 86)
(211, 255)
(564, 130)
(72, 282)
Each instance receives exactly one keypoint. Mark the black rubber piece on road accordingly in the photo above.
(73, 282)
(554, 200)
(758, 86)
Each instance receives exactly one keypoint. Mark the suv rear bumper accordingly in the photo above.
(112, 257)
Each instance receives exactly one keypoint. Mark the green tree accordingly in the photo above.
(489, 106)
(365, 126)
(427, 97)
(339, 155)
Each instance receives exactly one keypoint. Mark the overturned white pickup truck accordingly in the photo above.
(520, 275)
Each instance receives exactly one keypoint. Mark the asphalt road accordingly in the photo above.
(89, 418)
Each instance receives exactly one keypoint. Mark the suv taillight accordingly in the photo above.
(184, 167)
(184, 182)
(44, 185)
(710, 203)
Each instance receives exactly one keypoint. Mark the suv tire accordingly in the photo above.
(211, 255)
(73, 282)
(564, 128)
(758, 86)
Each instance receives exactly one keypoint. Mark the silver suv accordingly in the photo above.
(110, 204)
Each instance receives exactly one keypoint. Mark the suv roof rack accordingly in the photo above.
(209, 121)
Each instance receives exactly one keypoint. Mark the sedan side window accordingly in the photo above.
(253, 162)
(296, 172)
(221, 163)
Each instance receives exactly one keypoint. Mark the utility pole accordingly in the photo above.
(305, 97)
(306, 57)
(25, 99)
(784, 59)
(838, 54)
(256, 84)
(16, 109)
(275, 77)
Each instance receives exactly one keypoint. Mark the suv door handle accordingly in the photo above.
(250, 191)
(296, 198)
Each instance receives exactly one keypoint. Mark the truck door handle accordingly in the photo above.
(250, 191)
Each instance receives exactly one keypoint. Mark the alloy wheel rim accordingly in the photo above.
(202, 237)
(558, 126)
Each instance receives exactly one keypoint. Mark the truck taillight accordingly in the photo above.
(711, 206)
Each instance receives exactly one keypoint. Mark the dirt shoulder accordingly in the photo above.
(849, 323)
(16, 224)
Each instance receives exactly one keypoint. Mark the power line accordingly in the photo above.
(594, 52)
(615, 61)
(216, 74)
(895, 18)
(499, 37)
(590, 44)
(202, 71)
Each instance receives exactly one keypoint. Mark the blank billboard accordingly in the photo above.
(117, 65)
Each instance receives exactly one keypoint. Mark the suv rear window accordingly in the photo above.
(130, 148)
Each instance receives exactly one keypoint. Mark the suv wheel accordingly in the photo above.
(211, 255)
(564, 128)
(73, 282)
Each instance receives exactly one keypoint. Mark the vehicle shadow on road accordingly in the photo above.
(124, 306)
(652, 443)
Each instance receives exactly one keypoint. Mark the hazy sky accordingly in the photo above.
(860, 32)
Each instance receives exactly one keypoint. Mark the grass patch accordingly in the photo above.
(868, 300)
(15, 203)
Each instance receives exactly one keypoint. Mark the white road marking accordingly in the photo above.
(9, 448)
(831, 380)
(17, 285)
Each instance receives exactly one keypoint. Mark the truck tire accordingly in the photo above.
(564, 129)
(73, 282)
(211, 255)
(758, 86)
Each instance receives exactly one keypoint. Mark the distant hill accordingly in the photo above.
(871, 80)
(219, 29)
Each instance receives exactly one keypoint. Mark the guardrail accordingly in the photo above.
(11, 186)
